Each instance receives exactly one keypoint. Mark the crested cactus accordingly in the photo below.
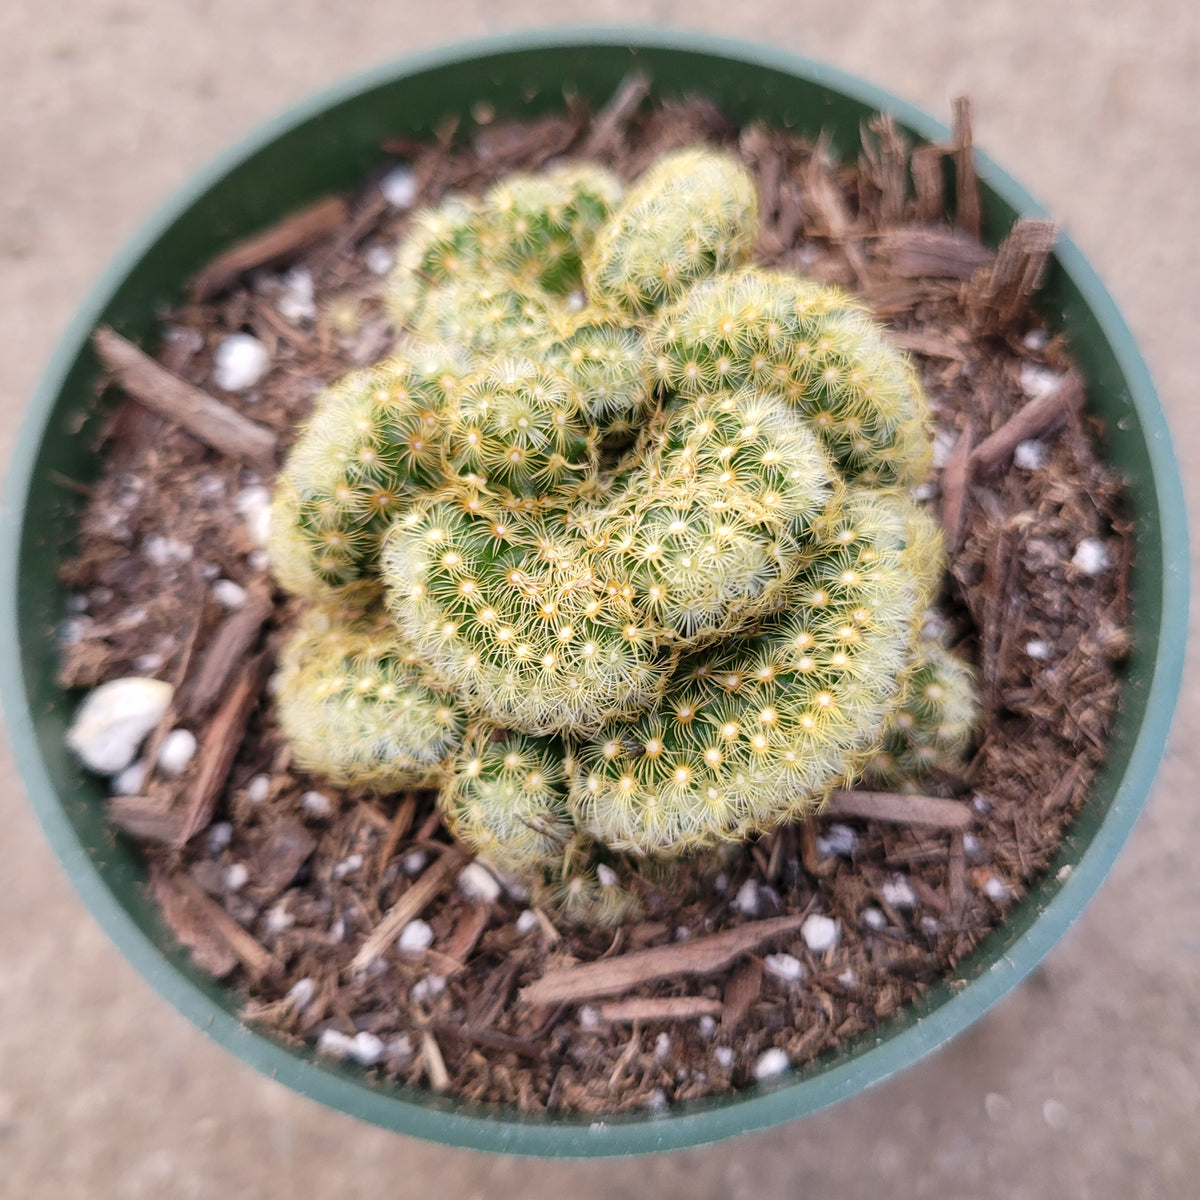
(692, 215)
(814, 346)
(930, 733)
(506, 800)
(659, 648)
(357, 705)
(371, 445)
(511, 612)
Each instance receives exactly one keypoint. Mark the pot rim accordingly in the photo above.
(437, 1119)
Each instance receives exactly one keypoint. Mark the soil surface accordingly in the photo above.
(275, 881)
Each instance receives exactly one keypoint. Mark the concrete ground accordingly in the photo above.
(1085, 1083)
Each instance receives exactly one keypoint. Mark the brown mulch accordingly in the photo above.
(293, 891)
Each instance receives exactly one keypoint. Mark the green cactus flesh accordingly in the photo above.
(814, 346)
(930, 734)
(638, 514)
(755, 731)
(357, 706)
(510, 611)
(505, 799)
(692, 215)
(371, 445)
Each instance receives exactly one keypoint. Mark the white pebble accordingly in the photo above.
(682, 933)
(724, 1057)
(1038, 381)
(838, 839)
(228, 594)
(771, 1063)
(589, 1019)
(924, 492)
(129, 781)
(258, 560)
(721, 883)
(576, 301)
(399, 186)
(820, 933)
(746, 900)
(301, 992)
(400, 1050)
(316, 804)
(278, 919)
(662, 1046)
(236, 876)
(706, 1026)
(415, 938)
(253, 505)
(527, 922)
(944, 442)
(930, 927)
(413, 863)
(1038, 649)
(658, 1102)
(1091, 556)
(606, 875)
(219, 836)
(147, 664)
(848, 979)
(872, 918)
(164, 551)
(972, 847)
(996, 889)
(1056, 1114)
(335, 1044)
(784, 966)
(368, 1049)
(1029, 455)
(258, 789)
(379, 259)
(114, 720)
(176, 752)
(981, 804)
(77, 604)
(348, 866)
(478, 884)
(1036, 339)
(897, 893)
(295, 302)
(429, 988)
(239, 362)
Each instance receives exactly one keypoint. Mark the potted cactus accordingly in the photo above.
(614, 550)
(601, 648)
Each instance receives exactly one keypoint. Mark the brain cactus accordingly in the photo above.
(615, 549)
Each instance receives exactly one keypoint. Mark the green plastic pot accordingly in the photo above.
(330, 143)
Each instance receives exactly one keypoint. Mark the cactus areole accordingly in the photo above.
(617, 548)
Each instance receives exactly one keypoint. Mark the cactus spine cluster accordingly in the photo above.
(616, 549)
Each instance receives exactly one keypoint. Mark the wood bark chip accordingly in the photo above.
(999, 300)
(916, 252)
(884, 162)
(659, 1008)
(1040, 415)
(826, 200)
(220, 746)
(410, 905)
(612, 976)
(400, 825)
(205, 418)
(234, 639)
(954, 488)
(609, 125)
(467, 932)
(296, 232)
(743, 988)
(930, 812)
(929, 182)
(144, 817)
(968, 213)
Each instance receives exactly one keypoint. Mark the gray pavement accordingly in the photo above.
(1085, 1083)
